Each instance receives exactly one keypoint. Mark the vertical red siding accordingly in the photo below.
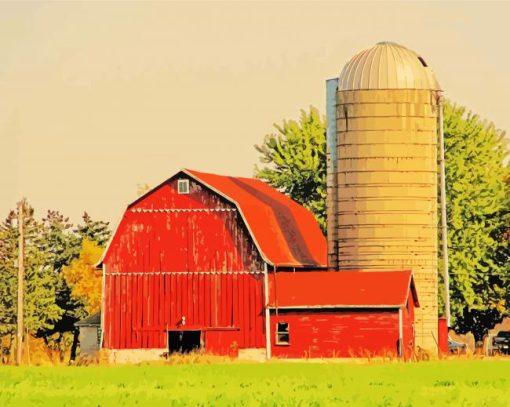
(442, 329)
(143, 313)
(408, 329)
(337, 333)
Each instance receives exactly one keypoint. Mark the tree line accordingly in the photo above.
(478, 204)
(62, 285)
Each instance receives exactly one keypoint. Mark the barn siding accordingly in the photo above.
(408, 329)
(337, 333)
(210, 240)
(193, 295)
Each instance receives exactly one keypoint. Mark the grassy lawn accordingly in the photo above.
(443, 383)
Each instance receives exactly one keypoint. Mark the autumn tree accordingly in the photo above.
(295, 161)
(84, 278)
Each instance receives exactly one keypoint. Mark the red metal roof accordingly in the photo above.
(340, 289)
(285, 232)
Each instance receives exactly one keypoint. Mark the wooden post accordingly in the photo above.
(21, 279)
(267, 313)
(103, 307)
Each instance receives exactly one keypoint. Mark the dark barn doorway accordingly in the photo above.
(183, 341)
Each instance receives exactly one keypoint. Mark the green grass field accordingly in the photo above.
(442, 383)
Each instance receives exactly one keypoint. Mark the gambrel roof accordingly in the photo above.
(285, 233)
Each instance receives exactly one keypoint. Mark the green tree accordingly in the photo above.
(8, 284)
(41, 309)
(95, 231)
(62, 245)
(295, 158)
(477, 208)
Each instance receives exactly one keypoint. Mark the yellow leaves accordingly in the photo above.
(83, 278)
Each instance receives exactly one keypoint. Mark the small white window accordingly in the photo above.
(183, 186)
(282, 333)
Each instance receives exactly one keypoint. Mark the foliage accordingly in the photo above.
(296, 158)
(84, 278)
(40, 308)
(477, 208)
(446, 383)
(8, 275)
(62, 245)
(97, 231)
(50, 245)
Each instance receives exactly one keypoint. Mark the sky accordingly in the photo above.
(99, 97)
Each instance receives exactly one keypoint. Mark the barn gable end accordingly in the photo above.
(151, 235)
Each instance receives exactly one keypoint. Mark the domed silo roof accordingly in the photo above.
(387, 66)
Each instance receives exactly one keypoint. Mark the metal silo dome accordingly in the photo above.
(387, 65)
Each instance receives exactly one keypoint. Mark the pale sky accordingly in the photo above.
(98, 97)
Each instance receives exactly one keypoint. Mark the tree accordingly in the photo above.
(62, 246)
(8, 284)
(477, 208)
(84, 278)
(40, 308)
(296, 158)
(97, 231)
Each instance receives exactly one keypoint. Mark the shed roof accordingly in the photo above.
(285, 232)
(387, 65)
(341, 289)
(91, 320)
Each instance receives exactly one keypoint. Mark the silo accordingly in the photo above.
(382, 172)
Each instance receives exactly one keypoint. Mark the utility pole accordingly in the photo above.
(21, 280)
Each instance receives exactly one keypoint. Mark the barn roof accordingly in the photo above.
(285, 232)
(341, 289)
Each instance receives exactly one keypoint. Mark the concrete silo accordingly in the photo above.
(382, 172)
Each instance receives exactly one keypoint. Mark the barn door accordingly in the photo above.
(184, 341)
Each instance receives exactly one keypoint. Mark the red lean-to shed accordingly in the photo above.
(342, 314)
(229, 264)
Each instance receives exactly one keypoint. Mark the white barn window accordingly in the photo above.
(183, 186)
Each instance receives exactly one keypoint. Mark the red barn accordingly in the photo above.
(185, 267)
(190, 261)
(342, 314)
